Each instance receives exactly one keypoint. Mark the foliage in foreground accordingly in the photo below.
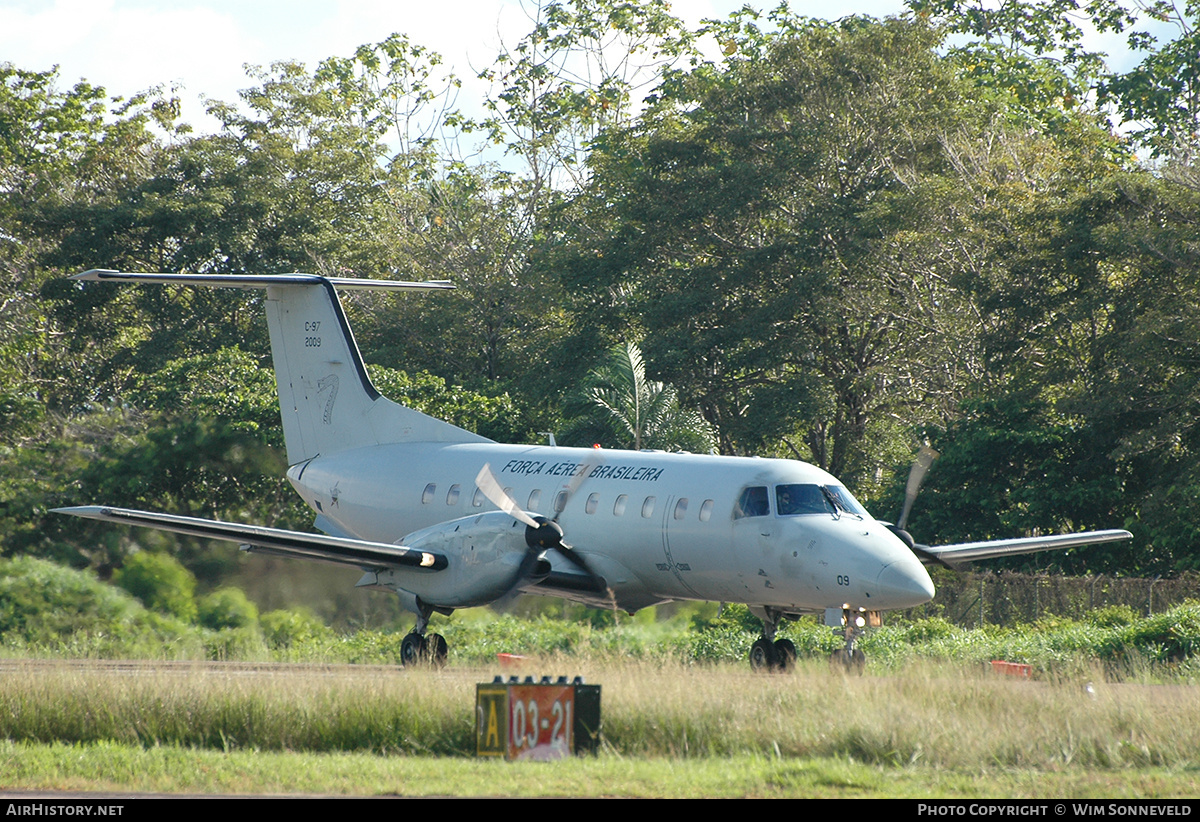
(48, 610)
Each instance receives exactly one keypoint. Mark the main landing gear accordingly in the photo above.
(768, 653)
(420, 648)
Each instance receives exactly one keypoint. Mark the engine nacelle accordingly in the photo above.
(485, 552)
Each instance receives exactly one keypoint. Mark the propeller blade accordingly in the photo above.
(575, 559)
(581, 474)
(925, 458)
(545, 534)
(524, 575)
(491, 488)
(584, 471)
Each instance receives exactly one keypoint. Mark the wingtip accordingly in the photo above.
(89, 511)
(92, 275)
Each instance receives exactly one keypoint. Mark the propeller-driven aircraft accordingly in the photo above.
(447, 519)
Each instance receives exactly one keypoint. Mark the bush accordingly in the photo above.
(227, 608)
(1112, 616)
(719, 643)
(283, 629)
(1169, 637)
(734, 616)
(929, 630)
(41, 602)
(161, 583)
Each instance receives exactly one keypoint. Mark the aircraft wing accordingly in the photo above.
(969, 551)
(344, 551)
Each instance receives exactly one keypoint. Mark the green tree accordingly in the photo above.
(469, 227)
(642, 413)
(1030, 53)
(575, 73)
(297, 180)
(1087, 418)
(759, 228)
(1160, 96)
(60, 152)
(495, 417)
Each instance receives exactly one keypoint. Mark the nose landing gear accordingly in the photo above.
(854, 623)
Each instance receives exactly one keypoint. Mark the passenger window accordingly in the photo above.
(592, 502)
(681, 508)
(752, 503)
(452, 494)
(706, 510)
(648, 507)
(619, 505)
(560, 502)
(535, 499)
(477, 500)
(430, 490)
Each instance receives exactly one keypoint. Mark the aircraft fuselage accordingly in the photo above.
(657, 526)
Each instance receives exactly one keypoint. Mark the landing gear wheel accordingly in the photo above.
(762, 654)
(785, 654)
(437, 650)
(850, 661)
(413, 649)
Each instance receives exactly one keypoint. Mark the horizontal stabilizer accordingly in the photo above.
(102, 275)
(970, 551)
(355, 552)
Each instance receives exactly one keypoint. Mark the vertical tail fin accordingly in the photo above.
(326, 398)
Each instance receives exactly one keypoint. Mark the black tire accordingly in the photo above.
(413, 649)
(437, 650)
(762, 654)
(785, 654)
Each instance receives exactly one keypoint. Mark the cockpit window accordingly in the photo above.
(753, 502)
(845, 500)
(801, 499)
(791, 500)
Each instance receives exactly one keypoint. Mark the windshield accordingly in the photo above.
(792, 500)
(845, 500)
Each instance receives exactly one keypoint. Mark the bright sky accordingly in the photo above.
(129, 45)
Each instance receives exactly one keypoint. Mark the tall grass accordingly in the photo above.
(948, 716)
(310, 709)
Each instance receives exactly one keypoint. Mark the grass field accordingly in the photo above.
(121, 769)
(670, 729)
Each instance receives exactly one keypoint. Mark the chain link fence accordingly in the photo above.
(974, 599)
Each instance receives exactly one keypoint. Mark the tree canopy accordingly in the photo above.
(831, 240)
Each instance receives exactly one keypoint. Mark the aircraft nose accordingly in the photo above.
(904, 584)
